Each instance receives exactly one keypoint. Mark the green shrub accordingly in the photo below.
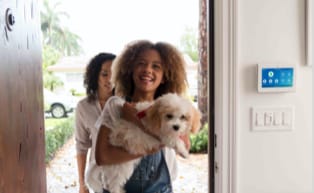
(199, 141)
(57, 136)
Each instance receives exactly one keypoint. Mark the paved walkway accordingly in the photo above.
(62, 173)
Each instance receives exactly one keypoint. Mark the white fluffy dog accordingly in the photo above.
(166, 119)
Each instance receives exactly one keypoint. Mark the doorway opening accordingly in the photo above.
(71, 68)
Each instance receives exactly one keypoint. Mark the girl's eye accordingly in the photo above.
(156, 66)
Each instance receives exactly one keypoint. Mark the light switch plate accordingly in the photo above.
(272, 118)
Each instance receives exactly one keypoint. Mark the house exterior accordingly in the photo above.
(71, 70)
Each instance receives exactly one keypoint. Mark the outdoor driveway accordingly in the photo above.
(62, 173)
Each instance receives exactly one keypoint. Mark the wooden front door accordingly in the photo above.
(22, 144)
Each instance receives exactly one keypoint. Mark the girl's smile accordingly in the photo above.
(148, 72)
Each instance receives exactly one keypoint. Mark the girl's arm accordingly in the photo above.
(129, 113)
(106, 154)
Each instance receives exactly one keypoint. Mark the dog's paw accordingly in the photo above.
(95, 186)
(93, 177)
(184, 154)
(181, 149)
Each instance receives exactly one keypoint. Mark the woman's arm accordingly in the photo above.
(83, 143)
(81, 164)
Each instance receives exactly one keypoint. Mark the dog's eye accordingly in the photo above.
(183, 117)
(169, 116)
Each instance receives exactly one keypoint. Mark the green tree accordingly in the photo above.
(58, 41)
(55, 35)
(67, 43)
(50, 57)
(188, 43)
(51, 81)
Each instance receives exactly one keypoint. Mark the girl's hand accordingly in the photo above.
(129, 113)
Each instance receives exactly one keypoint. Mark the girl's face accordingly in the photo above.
(148, 72)
(104, 86)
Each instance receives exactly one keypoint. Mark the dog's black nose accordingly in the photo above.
(176, 127)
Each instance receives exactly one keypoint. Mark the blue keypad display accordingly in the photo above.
(277, 77)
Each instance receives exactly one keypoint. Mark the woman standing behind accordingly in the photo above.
(98, 90)
(143, 72)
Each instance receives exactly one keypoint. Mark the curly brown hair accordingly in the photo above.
(92, 73)
(175, 80)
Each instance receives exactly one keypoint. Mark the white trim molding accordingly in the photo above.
(309, 32)
(226, 17)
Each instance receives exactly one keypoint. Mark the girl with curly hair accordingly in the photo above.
(143, 72)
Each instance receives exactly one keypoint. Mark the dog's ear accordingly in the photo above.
(196, 120)
(154, 118)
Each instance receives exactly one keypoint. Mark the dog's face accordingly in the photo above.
(175, 120)
(174, 115)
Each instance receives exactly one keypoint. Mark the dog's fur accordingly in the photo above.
(168, 118)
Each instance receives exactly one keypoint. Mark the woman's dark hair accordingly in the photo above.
(92, 72)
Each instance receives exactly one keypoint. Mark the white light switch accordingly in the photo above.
(272, 118)
(287, 118)
(259, 119)
(268, 118)
(278, 118)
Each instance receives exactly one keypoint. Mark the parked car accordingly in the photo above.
(58, 105)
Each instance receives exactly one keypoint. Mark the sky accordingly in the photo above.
(108, 25)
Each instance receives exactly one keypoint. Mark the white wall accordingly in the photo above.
(273, 32)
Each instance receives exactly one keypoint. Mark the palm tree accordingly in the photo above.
(60, 38)
(66, 42)
(50, 20)
(58, 41)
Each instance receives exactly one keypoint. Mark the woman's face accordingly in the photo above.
(104, 86)
(148, 72)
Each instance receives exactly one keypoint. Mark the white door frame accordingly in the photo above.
(226, 84)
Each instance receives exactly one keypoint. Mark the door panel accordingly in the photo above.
(22, 147)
